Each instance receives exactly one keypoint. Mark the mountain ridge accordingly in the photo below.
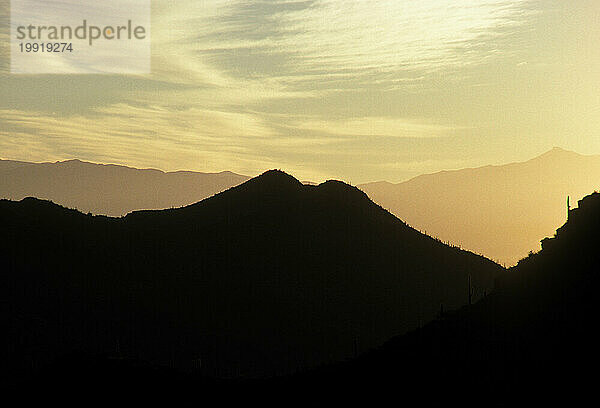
(552, 153)
(109, 165)
(296, 275)
(109, 189)
(524, 343)
(498, 211)
(488, 210)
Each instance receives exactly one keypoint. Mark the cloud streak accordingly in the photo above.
(324, 88)
(315, 42)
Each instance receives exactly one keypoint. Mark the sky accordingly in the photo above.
(358, 90)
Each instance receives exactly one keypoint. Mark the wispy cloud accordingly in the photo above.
(377, 126)
(131, 134)
(324, 87)
(352, 40)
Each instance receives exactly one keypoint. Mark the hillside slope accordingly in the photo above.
(498, 211)
(264, 278)
(531, 341)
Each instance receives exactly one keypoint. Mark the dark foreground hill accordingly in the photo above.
(532, 342)
(265, 278)
(109, 189)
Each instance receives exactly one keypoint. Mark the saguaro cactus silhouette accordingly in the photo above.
(470, 291)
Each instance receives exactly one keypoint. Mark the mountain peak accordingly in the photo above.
(341, 188)
(70, 161)
(558, 152)
(272, 182)
(276, 177)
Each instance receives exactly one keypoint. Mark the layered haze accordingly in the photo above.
(499, 211)
(352, 90)
(109, 189)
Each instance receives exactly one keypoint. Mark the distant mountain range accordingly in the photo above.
(267, 277)
(109, 189)
(501, 212)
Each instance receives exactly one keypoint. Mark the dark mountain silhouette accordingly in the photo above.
(497, 211)
(532, 341)
(265, 278)
(500, 212)
(109, 189)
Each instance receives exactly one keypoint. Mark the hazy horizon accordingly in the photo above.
(349, 90)
(501, 212)
(325, 178)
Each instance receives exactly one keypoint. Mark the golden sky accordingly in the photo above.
(351, 89)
